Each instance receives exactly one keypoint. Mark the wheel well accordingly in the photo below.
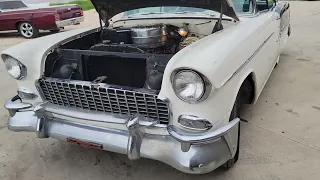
(247, 90)
(17, 24)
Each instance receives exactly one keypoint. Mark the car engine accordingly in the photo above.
(159, 39)
(132, 57)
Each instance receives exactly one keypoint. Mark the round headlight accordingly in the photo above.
(188, 85)
(15, 68)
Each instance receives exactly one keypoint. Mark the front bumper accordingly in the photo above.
(68, 22)
(140, 137)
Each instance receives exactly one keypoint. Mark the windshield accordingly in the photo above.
(243, 7)
(166, 9)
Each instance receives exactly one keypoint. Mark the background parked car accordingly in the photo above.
(17, 15)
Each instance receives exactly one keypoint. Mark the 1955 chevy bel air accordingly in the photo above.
(165, 82)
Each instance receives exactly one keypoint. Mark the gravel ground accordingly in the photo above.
(279, 141)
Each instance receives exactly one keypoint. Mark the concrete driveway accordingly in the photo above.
(279, 141)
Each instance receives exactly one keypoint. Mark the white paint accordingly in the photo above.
(226, 58)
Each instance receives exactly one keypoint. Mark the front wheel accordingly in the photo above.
(28, 30)
(235, 113)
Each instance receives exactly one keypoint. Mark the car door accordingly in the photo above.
(266, 39)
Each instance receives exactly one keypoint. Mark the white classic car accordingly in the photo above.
(164, 82)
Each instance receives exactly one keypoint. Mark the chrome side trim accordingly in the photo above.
(248, 60)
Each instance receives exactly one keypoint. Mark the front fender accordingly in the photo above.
(223, 58)
(216, 108)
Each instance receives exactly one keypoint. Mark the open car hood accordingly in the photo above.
(108, 8)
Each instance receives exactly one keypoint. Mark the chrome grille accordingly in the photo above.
(104, 98)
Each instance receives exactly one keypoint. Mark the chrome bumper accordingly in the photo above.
(68, 22)
(190, 153)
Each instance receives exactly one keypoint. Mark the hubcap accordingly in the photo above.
(26, 29)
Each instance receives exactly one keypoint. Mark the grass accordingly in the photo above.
(84, 4)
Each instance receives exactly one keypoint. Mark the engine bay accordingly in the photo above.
(154, 39)
(134, 57)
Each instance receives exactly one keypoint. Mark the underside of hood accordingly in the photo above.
(108, 8)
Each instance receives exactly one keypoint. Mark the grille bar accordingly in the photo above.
(101, 97)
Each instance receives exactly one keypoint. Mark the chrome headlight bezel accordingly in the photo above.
(207, 86)
(21, 67)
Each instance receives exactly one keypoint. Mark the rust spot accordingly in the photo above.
(84, 143)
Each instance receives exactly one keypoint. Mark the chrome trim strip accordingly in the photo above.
(248, 60)
(86, 115)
